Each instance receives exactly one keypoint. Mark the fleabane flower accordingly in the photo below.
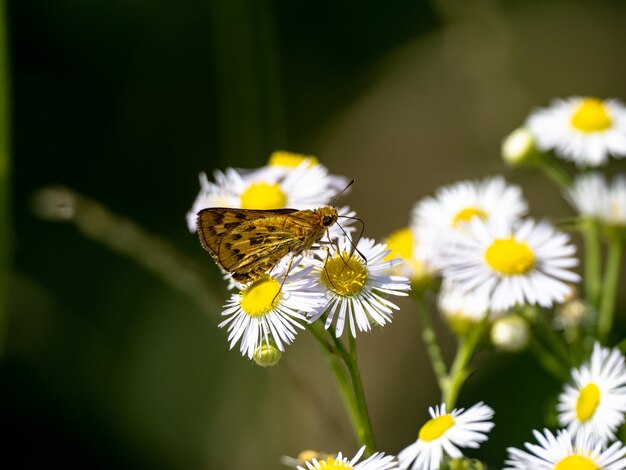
(283, 161)
(303, 187)
(593, 197)
(524, 263)
(595, 401)
(403, 244)
(270, 310)
(445, 433)
(452, 207)
(355, 283)
(377, 461)
(564, 452)
(584, 130)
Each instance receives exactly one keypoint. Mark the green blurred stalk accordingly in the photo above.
(249, 91)
(5, 171)
(610, 286)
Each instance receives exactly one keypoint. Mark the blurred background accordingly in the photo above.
(107, 365)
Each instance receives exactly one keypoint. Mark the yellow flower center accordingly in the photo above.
(290, 159)
(467, 214)
(435, 427)
(508, 256)
(591, 116)
(263, 196)
(332, 464)
(588, 401)
(260, 297)
(400, 243)
(344, 274)
(576, 462)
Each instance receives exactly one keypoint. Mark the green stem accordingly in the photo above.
(459, 370)
(430, 340)
(346, 372)
(5, 171)
(593, 259)
(548, 361)
(124, 236)
(557, 173)
(335, 361)
(366, 432)
(609, 288)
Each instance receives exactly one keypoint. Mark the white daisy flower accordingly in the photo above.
(592, 196)
(445, 433)
(403, 244)
(356, 288)
(266, 312)
(284, 161)
(377, 461)
(491, 199)
(583, 130)
(595, 401)
(461, 310)
(525, 263)
(304, 187)
(565, 452)
(218, 194)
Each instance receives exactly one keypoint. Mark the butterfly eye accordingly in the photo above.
(326, 221)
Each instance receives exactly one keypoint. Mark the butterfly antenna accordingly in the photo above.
(334, 199)
(354, 248)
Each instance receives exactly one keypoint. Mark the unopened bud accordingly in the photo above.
(267, 355)
(510, 333)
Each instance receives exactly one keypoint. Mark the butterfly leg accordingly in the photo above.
(282, 283)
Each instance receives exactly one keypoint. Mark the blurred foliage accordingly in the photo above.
(126, 101)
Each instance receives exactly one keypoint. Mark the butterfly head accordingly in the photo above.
(328, 215)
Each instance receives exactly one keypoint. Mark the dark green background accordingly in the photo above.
(127, 101)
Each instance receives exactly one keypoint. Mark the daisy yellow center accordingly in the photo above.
(344, 274)
(260, 297)
(591, 116)
(332, 464)
(290, 159)
(588, 401)
(400, 243)
(508, 256)
(467, 214)
(435, 427)
(263, 196)
(576, 462)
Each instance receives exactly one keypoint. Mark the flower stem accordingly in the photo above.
(346, 371)
(555, 171)
(430, 340)
(591, 234)
(547, 360)
(609, 285)
(459, 370)
(126, 237)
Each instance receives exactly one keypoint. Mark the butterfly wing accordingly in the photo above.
(247, 243)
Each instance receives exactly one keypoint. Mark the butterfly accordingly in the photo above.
(248, 243)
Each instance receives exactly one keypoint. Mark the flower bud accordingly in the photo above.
(510, 333)
(267, 354)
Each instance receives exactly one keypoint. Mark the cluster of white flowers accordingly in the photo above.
(493, 262)
(491, 259)
(348, 281)
(591, 408)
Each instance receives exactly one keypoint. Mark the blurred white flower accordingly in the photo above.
(584, 130)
